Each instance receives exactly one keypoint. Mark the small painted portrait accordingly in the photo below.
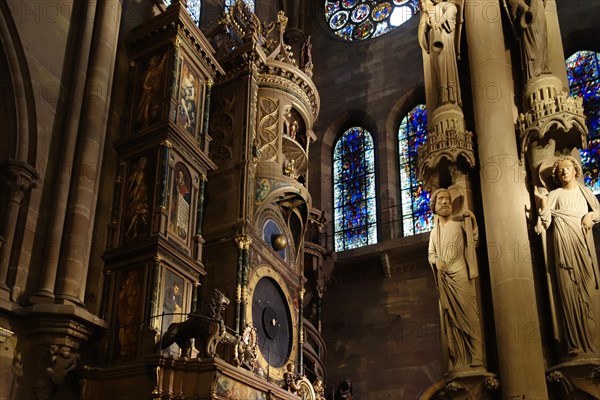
(173, 303)
(137, 204)
(189, 91)
(129, 312)
(181, 194)
(148, 109)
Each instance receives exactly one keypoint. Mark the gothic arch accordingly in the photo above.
(22, 132)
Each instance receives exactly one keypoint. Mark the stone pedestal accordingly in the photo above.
(473, 384)
(168, 378)
(578, 378)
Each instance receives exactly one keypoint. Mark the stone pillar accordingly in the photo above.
(556, 54)
(64, 165)
(18, 178)
(77, 237)
(519, 347)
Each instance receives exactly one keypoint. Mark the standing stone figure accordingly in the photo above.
(569, 214)
(530, 18)
(452, 257)
(437, 30)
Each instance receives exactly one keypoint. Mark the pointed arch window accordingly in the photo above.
(416, 213)
(583, 71)
(355, 209)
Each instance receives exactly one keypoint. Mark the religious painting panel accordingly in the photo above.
(189, 98)
(150, 91)
(232, 389)
(129, 313)
(138, 197)
(173, 307)
(181, 202)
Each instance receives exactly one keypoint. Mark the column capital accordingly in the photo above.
(19, 177)
(243, 241)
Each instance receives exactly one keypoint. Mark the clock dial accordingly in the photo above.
(271, 316)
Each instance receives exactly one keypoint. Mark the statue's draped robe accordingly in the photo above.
(534, 41)
(445, 70)
(458, 303)
(576, 265)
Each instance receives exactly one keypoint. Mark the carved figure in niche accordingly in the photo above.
(437, 29)
(58, 382)
(130, 297)
(149, 107)
(293, 129)
(307, 64)
(137, 196)
(181, 198)
(344, 390)
(290, 169)
(452, 256)
(530, 18)
(290, 379)
(569, 213)
(63, 361)
(319, 389)
(188, 102)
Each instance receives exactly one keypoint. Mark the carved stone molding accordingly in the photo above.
(472, 385)
(289, 78)
(447, 139)
(19, 177)
(549, 108)
(577, 378)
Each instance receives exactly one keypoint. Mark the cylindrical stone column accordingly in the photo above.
(76, 244)
(519, 347)
(64, 170)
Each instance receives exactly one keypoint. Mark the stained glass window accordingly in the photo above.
(416, 214)
(364, 19)
(193, 7)
(355, 220)
(249, 3)
(583, 71)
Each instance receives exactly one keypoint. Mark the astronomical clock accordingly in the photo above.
(255, 228)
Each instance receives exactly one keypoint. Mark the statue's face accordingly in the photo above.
(565, 171)
(443, 204)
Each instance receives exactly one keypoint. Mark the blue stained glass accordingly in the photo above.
(583, 72)
(412, 133)
(355, 219)
(367, 18)
(193, 7)
(331, 7)
(249, 3)
(346, 32)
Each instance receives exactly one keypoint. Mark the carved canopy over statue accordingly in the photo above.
(439, 36)
(453, 259)
(569, 213)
